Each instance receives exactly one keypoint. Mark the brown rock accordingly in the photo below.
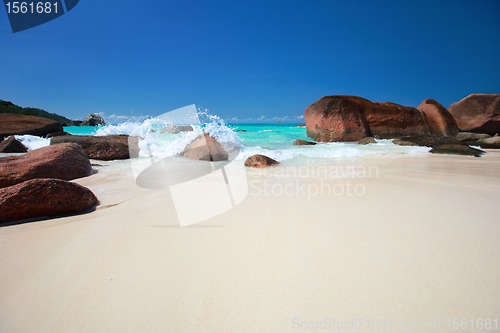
(478, 113)
(75, 123)
(20, 124)
(366, 141)
(93, 119)
(260, 161)
(299, 142)
(64, 161)
(105, 148)
(441, 122)
(424, 141)
(301, 125)
(467, 136)
(44, 197)
(457, 149)
(11, 145)
(62, 133)
(490, 143)
(351, 118)
(205, 148)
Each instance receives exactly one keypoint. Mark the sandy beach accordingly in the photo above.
(419, 246)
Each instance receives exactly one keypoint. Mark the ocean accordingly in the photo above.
(273, 140)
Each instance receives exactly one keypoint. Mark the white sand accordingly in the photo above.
(421, 244)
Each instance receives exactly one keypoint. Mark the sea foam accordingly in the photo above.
(277, 143)
(33, 142)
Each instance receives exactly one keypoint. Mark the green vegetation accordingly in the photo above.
(8, 107)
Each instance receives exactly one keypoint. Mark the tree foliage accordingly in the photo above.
(8, 107)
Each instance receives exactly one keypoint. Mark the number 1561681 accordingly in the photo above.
(31, 7)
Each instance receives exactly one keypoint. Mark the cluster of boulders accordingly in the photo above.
(20, 124)
(472, 121)
(37, 184)
(475, 120)
(341, 118)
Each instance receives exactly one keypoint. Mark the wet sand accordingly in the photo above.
(419, 244)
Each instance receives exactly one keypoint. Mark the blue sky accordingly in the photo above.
(249, 59)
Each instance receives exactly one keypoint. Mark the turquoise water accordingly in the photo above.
(273, 140)
(81, 130)
(272, 136)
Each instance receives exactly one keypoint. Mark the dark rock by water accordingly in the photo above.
(62, 133)
(110, 147)
(20, 124)
(457, 149)
(463, 136)
(260, 161)
(424, 141)
(366, 141)
(11, 145)
(205, 148)
(351, 118)
(487, 143)
(299, 142)
(93, 119)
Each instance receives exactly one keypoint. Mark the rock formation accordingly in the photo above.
(441, 122)
(299, 142)
(44, 197)
(109, 147)
(64, 161)
(478, 113)
(260, 161)
(93, 119)
(205, 148)
(11, 145)
(456, 149)
(20, 124)
(351, 118)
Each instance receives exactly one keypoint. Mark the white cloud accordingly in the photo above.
(114, 116)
